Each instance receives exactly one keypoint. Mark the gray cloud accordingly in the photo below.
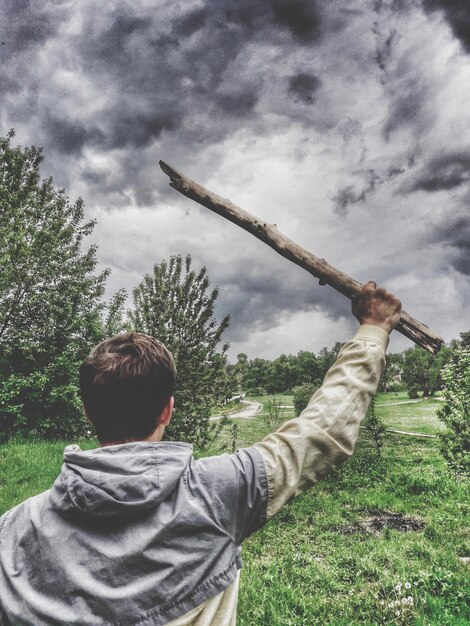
(457, 14)
(348, 194)
(26, 24)
(454, 233)
(444, 172)
(290, 106)
(302, 87)
(263, 288)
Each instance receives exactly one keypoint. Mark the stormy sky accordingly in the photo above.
(346, 123)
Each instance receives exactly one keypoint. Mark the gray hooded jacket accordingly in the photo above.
(137, 533)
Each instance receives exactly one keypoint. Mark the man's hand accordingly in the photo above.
(377, 307)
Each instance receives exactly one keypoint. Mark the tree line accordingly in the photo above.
(414, 370)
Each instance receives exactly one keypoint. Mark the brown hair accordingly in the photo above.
(125, 382)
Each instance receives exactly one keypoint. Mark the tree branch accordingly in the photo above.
(268, 233)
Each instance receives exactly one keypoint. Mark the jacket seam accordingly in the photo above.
(2, 523)
(165, 607)
(267, 489)
(371, 340)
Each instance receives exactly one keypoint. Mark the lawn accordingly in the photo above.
(336, 555)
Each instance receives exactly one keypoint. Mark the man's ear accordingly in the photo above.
(165, 416)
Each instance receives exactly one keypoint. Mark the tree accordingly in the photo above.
(465, 339)
(391, 379)
(455, 412)
(255, 376)
(239, 370)
(174, 304)
(422, 371)
(51, 308)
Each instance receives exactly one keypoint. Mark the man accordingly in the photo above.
(139, 533)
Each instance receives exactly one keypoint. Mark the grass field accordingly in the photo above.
(336, 555)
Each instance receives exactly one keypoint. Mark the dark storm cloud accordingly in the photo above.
(457, 14)
(24, 24)
(260, 290)
(406, 87)
(301, 17)
(239, 104)
(444, 172)
(138, 129)
(161, 71)
(302, 87)
(455, 235)
(68, 136)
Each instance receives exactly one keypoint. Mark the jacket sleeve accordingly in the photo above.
(303, 450)
(232, 490)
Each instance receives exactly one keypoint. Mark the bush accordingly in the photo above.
(413, 392)
(302, 395)
(375, 427)
(273, 416)
(455, 412)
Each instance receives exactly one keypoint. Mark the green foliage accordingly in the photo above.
(175, 305)
(376, 428)
(51, 312)
(413, 392)
(273, 415)
(465, 339)
(391, 379)
(286, 372)
(455, 412)
(302, 395)
(422, 370)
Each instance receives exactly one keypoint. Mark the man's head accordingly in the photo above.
(127, 384)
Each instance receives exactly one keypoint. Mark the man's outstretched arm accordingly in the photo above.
(306, 448)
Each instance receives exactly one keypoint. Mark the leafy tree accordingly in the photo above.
(308, 368)
(422, 371)
(391, 379)
(51, 311)
(255, 376)
(239, 369)
(281, 374)
(455, 412)
(465, 339)
(326, 358)
(175, 305)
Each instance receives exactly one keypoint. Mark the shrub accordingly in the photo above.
(375, 427)
(273, 417)
(303, 394)
(455, 412)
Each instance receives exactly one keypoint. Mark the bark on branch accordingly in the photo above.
(327, 274)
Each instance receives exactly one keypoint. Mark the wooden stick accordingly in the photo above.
(327, 274)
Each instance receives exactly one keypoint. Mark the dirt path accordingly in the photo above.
(248, 412)
(400, 402)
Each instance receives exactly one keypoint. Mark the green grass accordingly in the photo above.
(300, 569)
(409, 415)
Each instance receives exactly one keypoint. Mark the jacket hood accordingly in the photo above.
(128, 479)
